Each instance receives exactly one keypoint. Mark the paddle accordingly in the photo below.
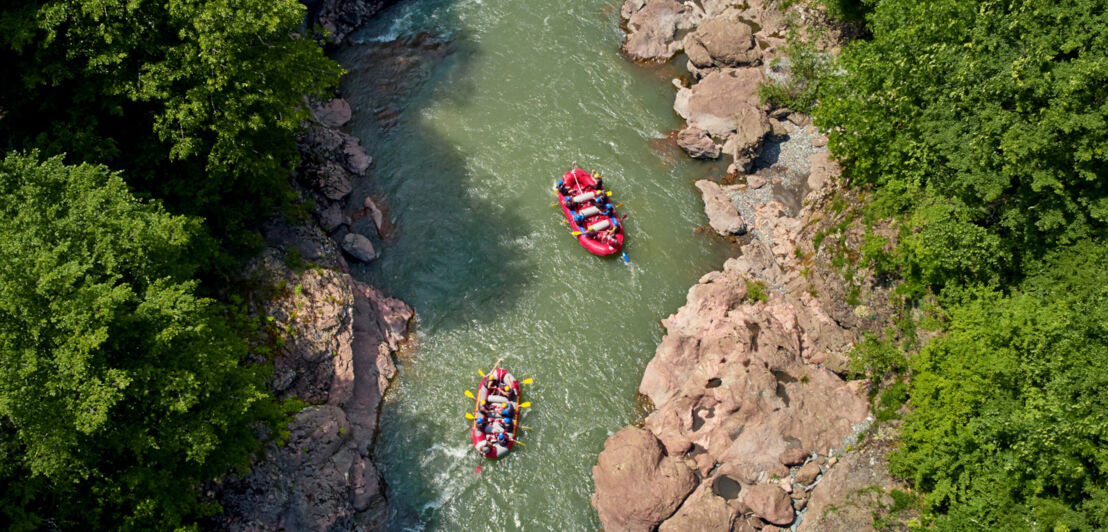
(469, 416)
(526, 404)
(481, 373)
(528, 380)
(469, 394)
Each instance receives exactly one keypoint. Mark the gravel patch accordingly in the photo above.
(784, 164)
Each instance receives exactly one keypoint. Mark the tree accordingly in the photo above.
(196, 100)
(991, 113)
(1009, 427)
(121, 391)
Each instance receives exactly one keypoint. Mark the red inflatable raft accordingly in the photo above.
(500, 417)
(590, 213)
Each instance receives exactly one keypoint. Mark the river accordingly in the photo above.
(470, 117)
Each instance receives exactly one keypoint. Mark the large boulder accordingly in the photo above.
(358, 247)
(703, 511)
(637, 485)
(769, 502)
(722, 214)
(334, 113)
(697, 143)
(751, 126)
(719, 101)
(722, 42)
(652, 27)
(342, 17)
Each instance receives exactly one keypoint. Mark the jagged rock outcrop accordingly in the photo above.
(856, 488)
(722, 214)
(637, 484)
(341, 17)
(336, 339)
(697, 143)
(331, 157)
(748, 383)
(729, 45)
(725, 104)
(739, 388)
(722, 42)
(653, 26)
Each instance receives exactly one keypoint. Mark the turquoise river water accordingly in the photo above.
(471, 109)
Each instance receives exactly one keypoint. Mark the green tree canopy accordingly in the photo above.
(1010, 423)
(195, 100)
(982, 122)
(121, 391)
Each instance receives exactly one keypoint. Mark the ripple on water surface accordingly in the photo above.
(470, 111)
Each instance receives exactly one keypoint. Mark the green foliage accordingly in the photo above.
(874, 253)
(121, 390)
(876, 358)
(981, 123)
(756, 291)
(890, 400)
(805, 70)
(848, 10)
(1010, 422)
(197, 101)
(817, 239)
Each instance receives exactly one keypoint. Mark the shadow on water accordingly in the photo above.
(462, 240)
(451, 249)
(465, 108)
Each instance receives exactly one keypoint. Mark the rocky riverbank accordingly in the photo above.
(333, 337)
(753, 415)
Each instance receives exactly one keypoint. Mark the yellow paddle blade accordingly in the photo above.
(528, 380)
(525, 427)
(481, 373)
(469, 394)
(469, 416)
(525, 405)
(618, 206)
(521, 443)
(576, 233)
(609, 192)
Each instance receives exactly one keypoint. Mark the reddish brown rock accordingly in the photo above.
(795, 456)
(808, 474)
(652, 27)
(697, 143)
(823, 170)
(721, 101)
(770, 503)
(334, 113)
(722, 214)
(339, 336)
(722, 42)
(702, 511)
(637, 484)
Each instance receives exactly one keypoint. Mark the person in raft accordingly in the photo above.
(491, 442)
(507, 413)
